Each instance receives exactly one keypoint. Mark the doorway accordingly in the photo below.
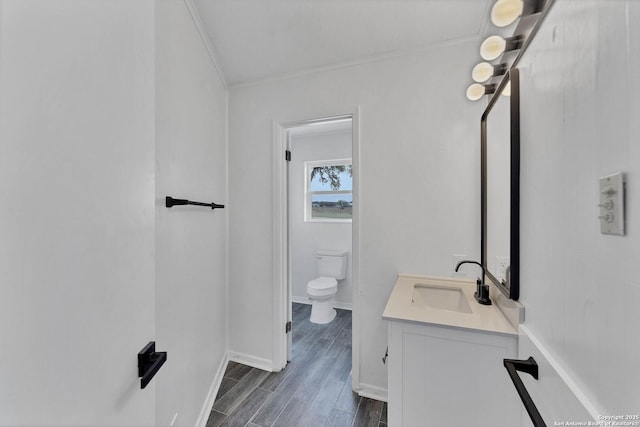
(320, 213)
(307, 219)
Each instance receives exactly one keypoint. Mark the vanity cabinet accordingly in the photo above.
(448, 376)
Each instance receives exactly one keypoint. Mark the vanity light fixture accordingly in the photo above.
(506, 91)
(494, 46)
(484, 71)
(526, 17)
(505, 12)
(477, 91)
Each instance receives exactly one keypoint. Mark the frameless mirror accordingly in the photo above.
(500, 151)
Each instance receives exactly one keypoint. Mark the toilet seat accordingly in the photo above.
(322, 286)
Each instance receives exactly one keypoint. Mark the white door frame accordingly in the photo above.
(281, 257)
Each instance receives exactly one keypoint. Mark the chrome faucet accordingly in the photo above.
(482, 290)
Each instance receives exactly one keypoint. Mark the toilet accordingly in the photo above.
(332, 266)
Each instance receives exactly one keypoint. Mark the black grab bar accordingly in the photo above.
(530, 367)
(170, 202)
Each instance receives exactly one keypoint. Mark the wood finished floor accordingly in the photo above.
(313, 390)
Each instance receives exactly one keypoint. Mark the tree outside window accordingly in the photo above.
(329, 191)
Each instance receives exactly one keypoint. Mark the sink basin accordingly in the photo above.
(440, 298)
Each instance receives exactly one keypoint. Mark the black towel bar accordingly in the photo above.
(170, 201)
(530, 367)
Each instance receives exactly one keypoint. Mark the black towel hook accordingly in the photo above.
(170, 201)
(149, 361)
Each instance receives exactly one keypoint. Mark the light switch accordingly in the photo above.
(612, 204)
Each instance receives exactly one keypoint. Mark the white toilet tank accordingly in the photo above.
(332, 264)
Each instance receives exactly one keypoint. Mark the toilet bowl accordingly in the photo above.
(322, 292)
(332, 266)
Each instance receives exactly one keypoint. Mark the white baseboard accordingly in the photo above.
(343, 305)
(338, 304)
(213, 391)
(301, 300)
(254, 362)
(373, 392)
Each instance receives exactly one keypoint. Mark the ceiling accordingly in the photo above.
(261, 39)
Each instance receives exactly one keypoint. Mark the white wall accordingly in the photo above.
(107, 107)
(308, 237)
(419, 151)
(580, 109)
(191, 242)
(77, 211)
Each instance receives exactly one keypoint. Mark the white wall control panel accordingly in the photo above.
(612, 204)
(502, 263)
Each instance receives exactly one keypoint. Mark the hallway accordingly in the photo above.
(313, 390)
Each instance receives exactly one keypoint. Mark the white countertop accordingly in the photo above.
(487, 318)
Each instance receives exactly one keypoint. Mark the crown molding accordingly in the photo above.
(485, 26)
(199, 24)
(356, 62)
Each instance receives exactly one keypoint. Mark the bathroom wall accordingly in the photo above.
(580, 104)
(191, 263)
(419, 193)
(107, 106)
(307, 237)
(77, 211)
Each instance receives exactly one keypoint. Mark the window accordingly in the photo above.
(328, 190)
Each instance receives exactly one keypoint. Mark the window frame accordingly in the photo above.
(308, 193)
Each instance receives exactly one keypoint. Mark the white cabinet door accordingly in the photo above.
(441, 377)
